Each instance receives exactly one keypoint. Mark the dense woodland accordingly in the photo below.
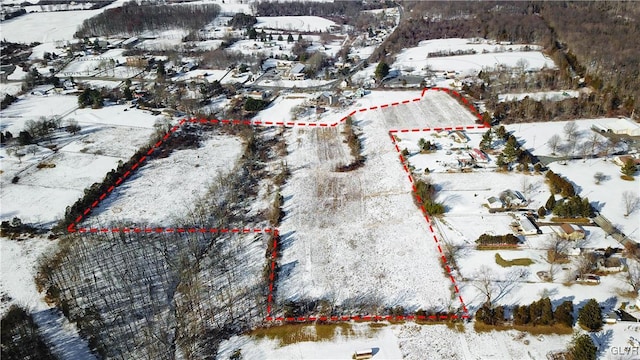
(342, 12)
(133, 19)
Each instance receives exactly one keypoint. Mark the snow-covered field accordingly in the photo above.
(540, 95)
(488, 55)
(107, 136)
(93, 64)
(299, 23)
(164, 190)
(45, 27)
(356, 236)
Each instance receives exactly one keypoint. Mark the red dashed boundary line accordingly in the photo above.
(179, 230)
(72, 227)
(274, 254)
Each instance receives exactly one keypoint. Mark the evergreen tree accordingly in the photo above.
(501, 132)
(546, 312)
(24, 138)
(510, 151)
(551, 203)
(290, 38)
(382, 70)
(252, 33)
(299, 37)
(280, 38)
(487, 139)
(629, 168)
(161, 72)
(590, 316)
(542, 211)
(501, 162)
(564, 314)
(521, 315)
(583, 348)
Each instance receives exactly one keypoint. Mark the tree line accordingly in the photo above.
(133, 18)
(342, 12)
(438, 20)
(566, 30)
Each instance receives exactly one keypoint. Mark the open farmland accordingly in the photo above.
(356, 239)
(45, 26)
(298, 23)
(50, 180)
(469, 56)
(147, 198)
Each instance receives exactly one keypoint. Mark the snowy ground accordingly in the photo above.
(300, 23)
(160, 194)
(540, 95)
(45, 27)
(407, 341)
(108, 135)
(488, 55)
(340, 242)
(94, 64)
(18, 261)
(535, 136)
(606, 197)
(10, 88)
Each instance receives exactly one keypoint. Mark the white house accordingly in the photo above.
(494, 203)
(528, 228)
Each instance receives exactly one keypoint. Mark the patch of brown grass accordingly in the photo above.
(294, 333)
(559, 329)
(45, 165)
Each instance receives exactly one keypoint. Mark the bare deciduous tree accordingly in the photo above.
(571, 130)
(553, 143)
(495, 289)
(631, 202)
(599, 177)
(585, 263)
(557, 249)
(633, 276)
(595, 143)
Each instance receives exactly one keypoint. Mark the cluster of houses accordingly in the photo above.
(290, 70)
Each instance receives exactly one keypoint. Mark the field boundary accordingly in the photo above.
(272, 261)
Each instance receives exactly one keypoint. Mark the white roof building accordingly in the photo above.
(623, 126)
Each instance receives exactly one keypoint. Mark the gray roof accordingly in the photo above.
(298, 68)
